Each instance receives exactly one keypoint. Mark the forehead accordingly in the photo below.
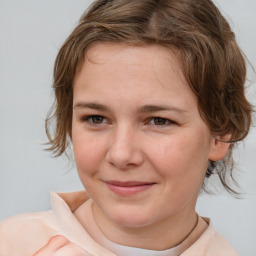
(152, 72)
(104, 53)
(134, 60)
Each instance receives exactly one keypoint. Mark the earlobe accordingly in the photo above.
(220, 147)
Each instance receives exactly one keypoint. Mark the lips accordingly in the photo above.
(129, 188)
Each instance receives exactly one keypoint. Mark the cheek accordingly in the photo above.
(183, 159)
(88, 152)
(87, 163)
(170, 155)
(181, 164)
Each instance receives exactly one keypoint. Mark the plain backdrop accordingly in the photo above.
(31, 32)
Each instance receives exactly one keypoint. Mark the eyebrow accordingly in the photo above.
(91, 105)
(142, 110)
(155, 108)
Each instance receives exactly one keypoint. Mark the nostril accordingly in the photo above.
(124, 158)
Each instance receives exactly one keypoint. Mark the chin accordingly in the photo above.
(131, 218)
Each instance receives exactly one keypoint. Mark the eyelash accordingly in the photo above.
(166, 121)
(89, 119)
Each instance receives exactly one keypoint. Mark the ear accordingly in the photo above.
(220, 147)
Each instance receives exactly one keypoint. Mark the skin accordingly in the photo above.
(136, 119)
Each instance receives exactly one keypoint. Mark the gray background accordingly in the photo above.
(31, 32)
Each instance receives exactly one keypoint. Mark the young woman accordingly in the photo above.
(151, 96)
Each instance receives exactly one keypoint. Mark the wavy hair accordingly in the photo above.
(212, 63)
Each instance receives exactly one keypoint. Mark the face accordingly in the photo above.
(140, 145)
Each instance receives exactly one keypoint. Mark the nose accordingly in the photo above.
(124, 150)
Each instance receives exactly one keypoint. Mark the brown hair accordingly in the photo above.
(212, 62)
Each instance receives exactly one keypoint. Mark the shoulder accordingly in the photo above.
(211, 243)
(25, 233)
(220, 246)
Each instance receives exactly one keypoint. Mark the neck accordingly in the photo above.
(172, 231)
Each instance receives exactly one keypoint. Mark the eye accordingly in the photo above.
(160, 121)
(95, 119)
